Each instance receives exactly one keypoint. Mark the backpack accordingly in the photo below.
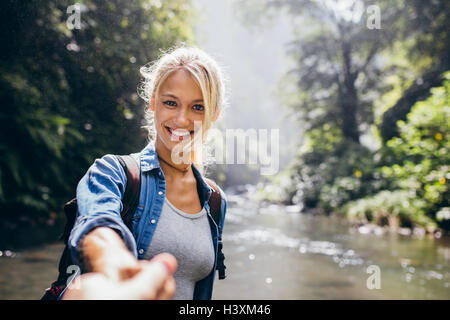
(130, 202)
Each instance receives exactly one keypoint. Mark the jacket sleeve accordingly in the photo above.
(99, 199)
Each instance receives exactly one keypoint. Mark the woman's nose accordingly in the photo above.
(181, 118)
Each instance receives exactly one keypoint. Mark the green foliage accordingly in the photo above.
(394, 208)
(337, 60)
(330, 170)
(402, 184)
(69, 96)
(425, 134)
(420, 168)
(349, 78)
(424, 46)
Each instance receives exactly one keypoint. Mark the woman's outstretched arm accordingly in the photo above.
(114, 273)
(99, 201)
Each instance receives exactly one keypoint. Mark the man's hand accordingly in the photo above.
(115, 273)
(151, 280)
(104, 252)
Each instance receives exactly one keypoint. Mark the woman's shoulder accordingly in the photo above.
(114, 161)
(105, 169)
(106, 162)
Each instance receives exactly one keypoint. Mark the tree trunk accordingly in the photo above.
(417, 92)
(348, 98)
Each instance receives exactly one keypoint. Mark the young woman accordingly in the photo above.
(185, 92)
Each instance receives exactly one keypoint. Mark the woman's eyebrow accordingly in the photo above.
(176, 98)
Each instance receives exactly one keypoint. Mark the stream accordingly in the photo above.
(274, 252)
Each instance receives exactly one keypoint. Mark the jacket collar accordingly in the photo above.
(149, 158)
(149, 161)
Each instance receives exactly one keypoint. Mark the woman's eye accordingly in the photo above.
(170, 103)
(198, 107)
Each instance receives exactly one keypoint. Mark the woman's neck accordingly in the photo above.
(170, 168)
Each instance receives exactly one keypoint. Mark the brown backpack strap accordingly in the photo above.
(132, 192)
(215, 202)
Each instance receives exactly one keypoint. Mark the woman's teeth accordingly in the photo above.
(180, 134)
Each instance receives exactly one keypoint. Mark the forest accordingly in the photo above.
(69, 96)
(369, 88)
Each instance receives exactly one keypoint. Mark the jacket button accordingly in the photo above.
(141, 251)
(153, 221)
(160, 193)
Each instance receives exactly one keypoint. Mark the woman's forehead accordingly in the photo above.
(181, 84)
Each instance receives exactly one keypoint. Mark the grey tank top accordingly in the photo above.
(187, 237)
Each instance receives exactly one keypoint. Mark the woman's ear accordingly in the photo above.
(152, 104)
(216, 116)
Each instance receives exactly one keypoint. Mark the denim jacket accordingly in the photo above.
(99, 195)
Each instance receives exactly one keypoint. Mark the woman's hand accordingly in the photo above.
(152, 280)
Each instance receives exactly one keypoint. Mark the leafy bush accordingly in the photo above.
(331, 170)
(420, 178)
(404, 183)
(69, 96)
(394, 208)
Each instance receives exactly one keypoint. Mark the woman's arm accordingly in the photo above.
(116, 274)
(99, 200)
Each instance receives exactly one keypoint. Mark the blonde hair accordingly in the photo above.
(201, 66)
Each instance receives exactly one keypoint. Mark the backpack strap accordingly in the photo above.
(132, 192)
(215, 202)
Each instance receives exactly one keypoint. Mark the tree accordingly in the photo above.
(342, 69)
(69, 95)
(419, 170)
(336, 52)
(428, 29)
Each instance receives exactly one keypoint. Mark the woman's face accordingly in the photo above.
(179, 104)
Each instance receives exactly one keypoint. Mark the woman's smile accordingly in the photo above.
(179, 134)
(180, 106)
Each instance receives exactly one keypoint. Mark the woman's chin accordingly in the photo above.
(173, 145)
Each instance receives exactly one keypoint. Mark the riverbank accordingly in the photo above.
(30, 234)
(392, 227)
(364, 216)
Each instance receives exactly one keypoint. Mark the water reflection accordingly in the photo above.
(312, 257)
(8, 254)
(275, 237)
